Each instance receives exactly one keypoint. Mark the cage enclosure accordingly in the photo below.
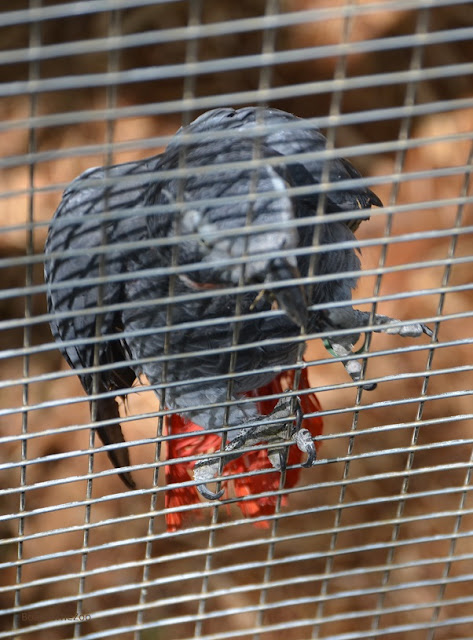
(202, 435)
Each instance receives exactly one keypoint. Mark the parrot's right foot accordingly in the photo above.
(266, 431)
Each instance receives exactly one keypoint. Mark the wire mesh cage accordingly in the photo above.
(197, 246)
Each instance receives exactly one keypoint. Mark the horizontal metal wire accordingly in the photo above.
(282, 627)
(248, 230)
(126, 391)
(48, 346)
(313, 599)
(154, 73)
(379, 430)
(227, 289)
(277, 161)
(245, 566)
(287, 603)
(294, 581)
(319, 486)
(294, 624)
(401, 586)
(72, 400)
(253, 541)
(412, 473)
(183, 509)
(137, 442)
(308, 599)
(314, 577)
(223, 290)
(71, 9)
(347, 409)
(208, 102)
(153, 143)
(162, 413)
(408, 534)
(182, 34)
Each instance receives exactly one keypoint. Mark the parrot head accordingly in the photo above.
(234, 221)
(246, 242)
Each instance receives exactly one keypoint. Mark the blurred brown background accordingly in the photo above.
(343, 575)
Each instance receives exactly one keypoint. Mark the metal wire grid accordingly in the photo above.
(333, 563)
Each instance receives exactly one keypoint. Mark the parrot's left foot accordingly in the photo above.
(266, 431)
(342, 346)
(411, 330)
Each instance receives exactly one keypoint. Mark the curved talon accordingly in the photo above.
(277, 458)
(303, 437)
(311, 457)
(299, 414)
(282, 460)
(306, 444)
(209, 495)
(205, 471)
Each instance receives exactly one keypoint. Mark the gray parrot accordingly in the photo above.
(197, 267)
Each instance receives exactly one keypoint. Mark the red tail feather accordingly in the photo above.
(250, 485)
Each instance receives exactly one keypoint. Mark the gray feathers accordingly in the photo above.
(122, 248)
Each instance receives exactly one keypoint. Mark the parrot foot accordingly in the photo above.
(341, 347)
(205, 471)
(353, 367)
(265, 431)
(414, 330)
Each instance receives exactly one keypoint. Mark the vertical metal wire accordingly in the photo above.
(155, 481)
(422, 26)
(268, 47)
(335, 110)
(189, 92)
(111, 97)
(191, 57)
(34, 71)
(469, 473)
(210, 553)
(229, 396)
(265, 80)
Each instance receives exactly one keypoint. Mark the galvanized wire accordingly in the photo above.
(163, 72)
(376, 539)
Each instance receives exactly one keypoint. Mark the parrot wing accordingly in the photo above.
(80, 277)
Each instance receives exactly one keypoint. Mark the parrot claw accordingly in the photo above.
(414, 330)
(303, 438)
(277, 457)
(353, 367)
(341, 347)
(306, 444)
(265, 431)
(209, 495)
(205, 471)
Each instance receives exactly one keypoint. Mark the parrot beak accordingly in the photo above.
(291, 299)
